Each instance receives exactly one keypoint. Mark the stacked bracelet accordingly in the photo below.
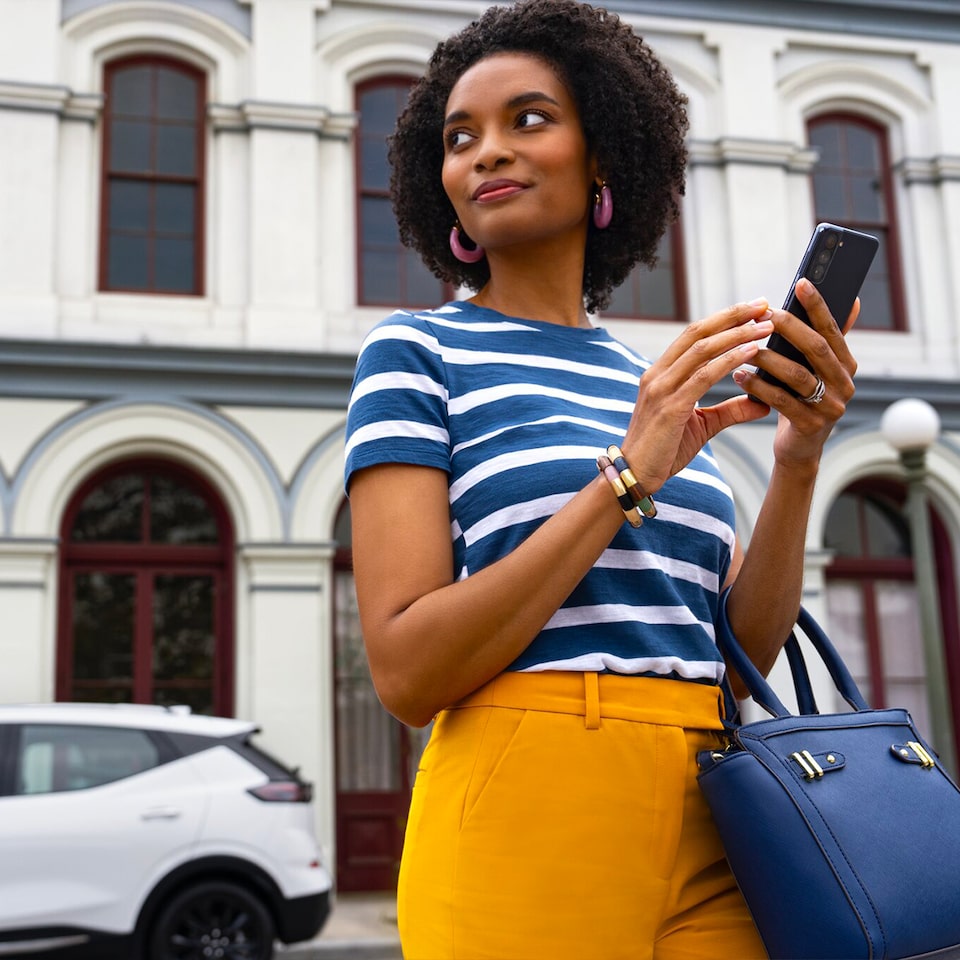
(642, 500)
(607, 469)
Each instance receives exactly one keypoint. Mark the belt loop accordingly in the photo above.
(591, 694)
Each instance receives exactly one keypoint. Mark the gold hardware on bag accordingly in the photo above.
(811, 769)
(925, 758)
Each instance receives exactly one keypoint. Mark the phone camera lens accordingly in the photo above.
(830, 241)
(817, 272)
(824, 256)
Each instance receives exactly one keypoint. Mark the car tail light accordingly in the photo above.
(284, 791)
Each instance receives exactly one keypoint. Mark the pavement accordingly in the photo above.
(362, 926)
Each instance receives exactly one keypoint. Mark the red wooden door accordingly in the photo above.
(373, 755)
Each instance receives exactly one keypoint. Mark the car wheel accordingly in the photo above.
(213, 921)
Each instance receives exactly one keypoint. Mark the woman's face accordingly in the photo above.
(516, 165)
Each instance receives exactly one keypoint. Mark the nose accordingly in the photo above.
(494, 151)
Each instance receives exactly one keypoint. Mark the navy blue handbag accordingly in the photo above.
(842, 830)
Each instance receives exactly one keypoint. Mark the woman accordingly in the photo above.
(508, 584)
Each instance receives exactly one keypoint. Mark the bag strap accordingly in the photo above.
(806, 702)
(756, 684)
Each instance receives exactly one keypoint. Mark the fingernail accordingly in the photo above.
(759, 302)
(739, 376)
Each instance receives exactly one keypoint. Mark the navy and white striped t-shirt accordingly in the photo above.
(516, 412)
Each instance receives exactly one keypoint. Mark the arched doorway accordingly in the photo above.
(146, 590)
(872, 598)
(376, 755)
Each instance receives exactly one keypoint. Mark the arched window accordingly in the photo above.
(146, 591)
(659, 293)
(853, 187)
(872, 597)
(151, 220)
(388, 274)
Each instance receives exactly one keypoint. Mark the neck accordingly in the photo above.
(541, 287)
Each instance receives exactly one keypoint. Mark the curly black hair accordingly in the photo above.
(634, 121)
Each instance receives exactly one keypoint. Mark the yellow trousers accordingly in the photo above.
(556, 816)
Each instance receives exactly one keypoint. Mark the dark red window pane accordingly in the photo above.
(389, 273)
(147, 599)
(852, 186)
(152, 222)
(103, 636)
(653, 294)
(130, 91)
(184, 641)
(180, 514)
(130, 146)
(176, 96)
(111, 511)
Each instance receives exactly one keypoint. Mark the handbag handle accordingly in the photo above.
(756, 684)
(806, 702)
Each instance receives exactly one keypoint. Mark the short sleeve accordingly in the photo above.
(398, 402)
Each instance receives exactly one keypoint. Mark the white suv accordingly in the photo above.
(151, 833)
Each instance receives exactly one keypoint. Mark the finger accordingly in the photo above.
(823, 321)
(799, 405)
(684, 382)
(802, 380)
(732, 411)
(734, 318)
(852, 318)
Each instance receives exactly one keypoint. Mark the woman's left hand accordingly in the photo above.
(804, 425)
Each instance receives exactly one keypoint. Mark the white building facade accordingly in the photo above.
(193, 244)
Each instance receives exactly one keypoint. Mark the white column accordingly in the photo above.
(285, 662)
(283, 239)
(284, 120)
(28, 604)
(30, 102)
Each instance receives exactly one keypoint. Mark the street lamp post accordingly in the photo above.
(910, 426)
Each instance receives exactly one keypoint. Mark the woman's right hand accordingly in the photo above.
(668, 428)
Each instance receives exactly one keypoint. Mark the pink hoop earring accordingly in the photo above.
(603, 208)
(460, 251)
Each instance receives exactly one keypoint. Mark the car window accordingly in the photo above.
(275, 769)
(54, 758)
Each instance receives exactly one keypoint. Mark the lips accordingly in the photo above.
(497, 190)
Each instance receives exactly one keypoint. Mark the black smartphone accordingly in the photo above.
(836, 261)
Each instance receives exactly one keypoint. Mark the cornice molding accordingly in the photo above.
(937, 20)
(740, 150)
(95, 372)
(98, 371)
(289, 117)
(50, 98)
(934, 170)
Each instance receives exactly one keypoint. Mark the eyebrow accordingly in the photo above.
(533, 96)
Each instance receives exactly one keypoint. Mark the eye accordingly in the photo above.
(532, 118)
(457, 138)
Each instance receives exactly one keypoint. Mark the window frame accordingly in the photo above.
(9, 738)
(144, 560)
(894, 265)
(865, 571)
(19, 753)
(198, 180)
(444, 290)
(681, 312)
